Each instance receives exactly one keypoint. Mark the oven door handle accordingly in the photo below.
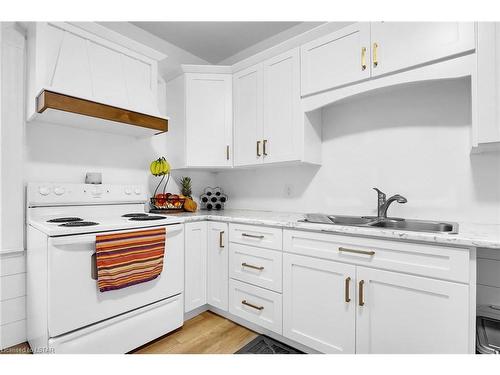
(93, 267)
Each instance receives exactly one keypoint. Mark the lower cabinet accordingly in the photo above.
(335, 307)
(195, 265)
(257, 305)
(319, 303)
(217, 265)
(398, 313)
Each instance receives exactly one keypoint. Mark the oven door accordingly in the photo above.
(74, 298)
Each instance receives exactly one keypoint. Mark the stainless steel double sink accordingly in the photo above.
(389, 223)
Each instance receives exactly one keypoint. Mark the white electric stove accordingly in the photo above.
(66, 312)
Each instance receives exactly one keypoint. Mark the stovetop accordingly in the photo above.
(90, 222)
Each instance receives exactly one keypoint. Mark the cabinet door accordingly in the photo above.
(248, 121)
(282, 108)
(195, 285)
(208, 120)
(400, 313)
(319, 303)
(488, 83)
(217, 288)
(336, 59)
(400, 45)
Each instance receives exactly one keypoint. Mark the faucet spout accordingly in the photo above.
(395, 198)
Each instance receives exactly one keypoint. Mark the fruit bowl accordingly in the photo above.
(168, 202)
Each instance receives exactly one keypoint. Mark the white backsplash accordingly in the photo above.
(413, 140)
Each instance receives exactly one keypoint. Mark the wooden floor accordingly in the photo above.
(23, 348)
(206, 333)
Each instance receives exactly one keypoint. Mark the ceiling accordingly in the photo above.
(217, 41)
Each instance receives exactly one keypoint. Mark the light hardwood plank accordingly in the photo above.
(206, 333)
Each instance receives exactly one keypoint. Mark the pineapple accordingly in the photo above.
(186, 187)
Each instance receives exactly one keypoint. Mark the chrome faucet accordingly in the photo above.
(383, 203)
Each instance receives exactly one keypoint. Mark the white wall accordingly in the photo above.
(413, 140)
(55, 153)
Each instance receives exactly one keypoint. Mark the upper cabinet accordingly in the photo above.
(365, 51)
(401, 45)
(337, 59)
(199, 105)
(269, 125)
(248, 116)
(95, 65)
(486, 133)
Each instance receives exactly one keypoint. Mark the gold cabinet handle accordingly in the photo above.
(260, 268)
(244, 302)
(252, 236)
(361, 293)
(258, 149)
(354, 251)
(363, 58)
(221, 240)
(264, 143)
(227, 152)
(347, 296)
(375, 59)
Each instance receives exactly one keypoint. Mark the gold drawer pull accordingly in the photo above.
(361, 293)
(364, 252)
(375, 59)
(347, 297)
(252, 236)
(363, 58)
(264, 143)
(221, 240)
(260, 268)
(244, 302)
(258, 149)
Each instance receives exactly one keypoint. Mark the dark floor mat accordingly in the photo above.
(266, 345)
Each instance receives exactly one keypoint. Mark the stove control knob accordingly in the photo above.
(59, 190)
(44, 190)
(128, 191)
(137, 191)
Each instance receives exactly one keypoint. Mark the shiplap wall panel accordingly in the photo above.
(12, 286)
(13, 260)
(12, 264)
(13, 310)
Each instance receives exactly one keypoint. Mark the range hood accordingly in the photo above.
(82, 113)
(86, 76)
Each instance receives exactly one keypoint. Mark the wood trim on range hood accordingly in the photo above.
(52, 100)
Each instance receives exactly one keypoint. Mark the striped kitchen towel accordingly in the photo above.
(126, 259)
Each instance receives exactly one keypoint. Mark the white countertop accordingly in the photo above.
(469, 234)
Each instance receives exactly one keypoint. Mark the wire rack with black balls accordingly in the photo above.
(213, 199)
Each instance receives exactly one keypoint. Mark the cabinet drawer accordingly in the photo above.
(428, 260)
(257, 305)
(270, 238)
(256, 266)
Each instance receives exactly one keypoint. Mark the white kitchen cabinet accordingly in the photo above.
(91, 62)
(269, 124)
(248, 116)
(319, 303)
(401, 45)
(217, 265)
(400, 313)
(389, 311)
(486, 130)
(195, 278)
(337, 59)
(199, 105)
(282, 111)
